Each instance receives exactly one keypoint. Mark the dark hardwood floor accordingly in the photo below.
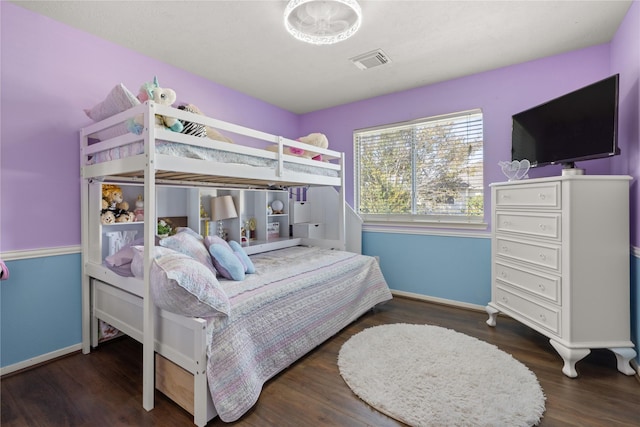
(104, 388)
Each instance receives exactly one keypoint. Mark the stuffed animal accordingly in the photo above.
(165, 96)
(196, 129)
(107, 217)
(112, 197)
(114, 207)
(125, 216)
(139, 210)
(316, 139)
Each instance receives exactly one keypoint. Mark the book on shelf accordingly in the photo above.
(273, 230)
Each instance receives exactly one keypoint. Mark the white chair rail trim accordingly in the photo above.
(39, 253)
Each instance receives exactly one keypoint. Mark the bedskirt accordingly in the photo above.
(298, 298)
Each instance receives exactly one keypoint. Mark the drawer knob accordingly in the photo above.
(541, 287)
(543, 317)
(506, 223)
(543, 257)
(505, 299)
(505, 249)
(543, 227)
(542, 196)
(503, 274)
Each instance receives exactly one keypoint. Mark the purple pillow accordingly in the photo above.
(125, 254)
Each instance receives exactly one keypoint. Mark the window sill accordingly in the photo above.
(423, 227)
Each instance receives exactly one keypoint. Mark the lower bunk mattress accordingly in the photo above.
(298, 298)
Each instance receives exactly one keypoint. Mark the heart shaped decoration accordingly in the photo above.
(515, 169)
(523, 169)
(509, 169)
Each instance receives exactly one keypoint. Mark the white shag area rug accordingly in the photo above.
(426, 375)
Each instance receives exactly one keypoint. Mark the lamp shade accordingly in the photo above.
(322, 21)
(223, 208)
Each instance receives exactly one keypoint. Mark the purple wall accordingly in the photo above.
(499, 93)
(625, 59)
(50, 73)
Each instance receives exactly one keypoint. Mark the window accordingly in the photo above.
(424, 170)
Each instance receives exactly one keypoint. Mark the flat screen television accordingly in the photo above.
(580, 125)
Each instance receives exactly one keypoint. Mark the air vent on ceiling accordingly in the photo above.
(370, 59)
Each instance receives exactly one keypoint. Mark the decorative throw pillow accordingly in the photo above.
(190, 231)
(230, 263)
(118, 100)
(137, 263)
(180, 284)
(242, 255)
(183, 285)
(125, 254)
(188, 244)
(123, 270)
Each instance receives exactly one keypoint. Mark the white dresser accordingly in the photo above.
(560, 263)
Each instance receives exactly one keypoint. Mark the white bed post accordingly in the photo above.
(280, 170)
(84, 221)
(148, 321)
(341, 213)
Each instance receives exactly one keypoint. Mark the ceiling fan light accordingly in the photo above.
(322, 21)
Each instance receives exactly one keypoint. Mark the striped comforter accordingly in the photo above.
(298, 298)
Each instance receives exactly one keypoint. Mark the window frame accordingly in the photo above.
(389, 222)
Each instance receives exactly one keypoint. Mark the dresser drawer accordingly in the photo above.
(538, 225)
(546, 317)
(531, 252)
(544, 286)
(545, 195)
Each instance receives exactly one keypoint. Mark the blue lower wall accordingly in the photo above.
(41, 310)
(453, 268)
(40, 305)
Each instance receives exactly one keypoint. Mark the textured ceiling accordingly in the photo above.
(427, 41)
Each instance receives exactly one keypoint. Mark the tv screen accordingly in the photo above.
(580, 125)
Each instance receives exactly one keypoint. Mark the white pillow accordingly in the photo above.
(181, 284)
(118, 100)
(190, 243)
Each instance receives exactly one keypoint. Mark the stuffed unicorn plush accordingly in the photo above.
(165, 96)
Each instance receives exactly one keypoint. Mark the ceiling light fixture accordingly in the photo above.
(322, 21)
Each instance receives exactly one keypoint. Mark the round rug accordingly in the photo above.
(426, 375)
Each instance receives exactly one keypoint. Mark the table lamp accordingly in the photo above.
(222, 208)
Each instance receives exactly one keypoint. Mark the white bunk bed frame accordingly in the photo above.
(125, 303)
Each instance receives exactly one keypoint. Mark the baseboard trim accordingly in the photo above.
(29, 363)
(437, 300)
(636, 367)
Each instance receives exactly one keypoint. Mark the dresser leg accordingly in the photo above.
(493, 314)
(623, 357)
(570, 356)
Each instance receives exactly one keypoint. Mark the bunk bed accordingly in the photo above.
(176, 348)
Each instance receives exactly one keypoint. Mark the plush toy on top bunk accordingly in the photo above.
(114, 207)
(316, 139)
(197, 129)
(151, 91)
